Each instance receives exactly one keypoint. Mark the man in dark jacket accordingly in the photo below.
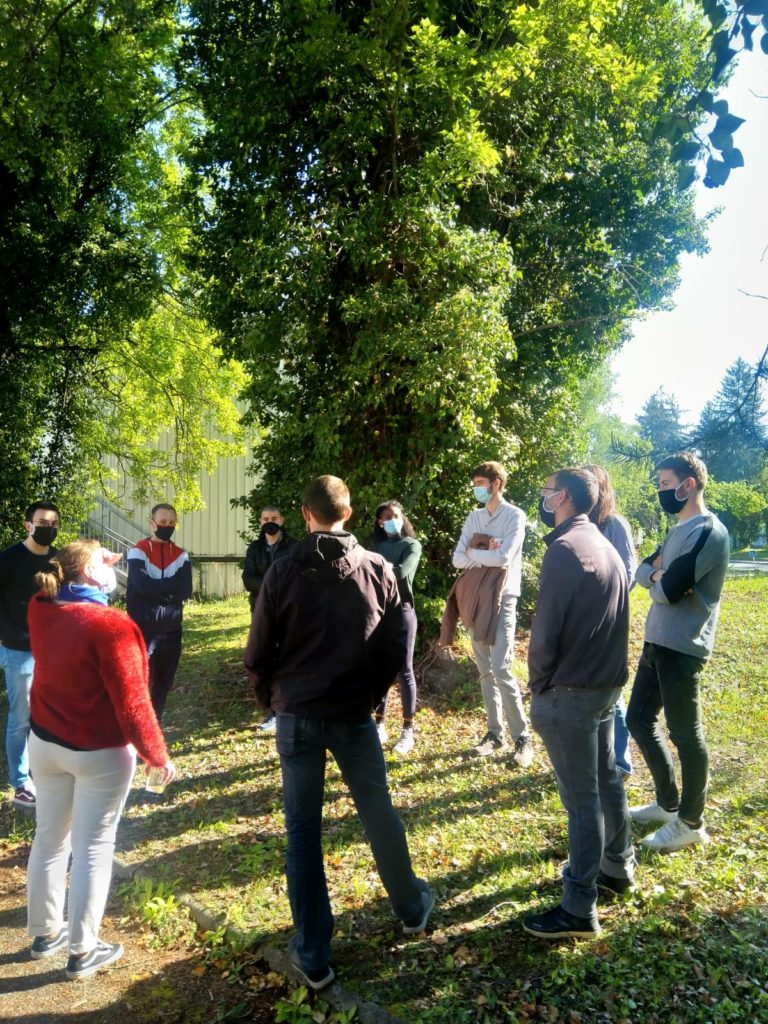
(159, 582)
(327, 639)
(272, 543)
(577, 665)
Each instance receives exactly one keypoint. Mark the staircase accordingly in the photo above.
(115, 531)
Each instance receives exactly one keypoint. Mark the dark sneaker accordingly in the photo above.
(101, 955)
(24, 797)
(317, 979)
(415, 927)
(559, 924)
(488, 745)
(47, 945)
(523, 755)
(614, 886)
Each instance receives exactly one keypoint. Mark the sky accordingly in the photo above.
(688, 349)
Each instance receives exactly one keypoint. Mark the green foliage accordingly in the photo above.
(98, 355)
(731, 434)
(420, 227)
(157, 906)
(659, 423)
(741, 508)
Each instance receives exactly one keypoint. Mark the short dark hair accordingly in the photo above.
(491, 471)
(605, 507)
(270, 508)
(327, 498)
(581, 486)
(683, 465)
(166, 506)
(45, 506)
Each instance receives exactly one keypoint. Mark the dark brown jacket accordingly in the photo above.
(580, 629)
(327, 637)
(474, 598)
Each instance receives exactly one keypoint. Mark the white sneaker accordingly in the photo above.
(674, 836)
(650, 813)
(381, 729)
(406, 742)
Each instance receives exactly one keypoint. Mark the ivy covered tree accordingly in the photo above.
(422, 225)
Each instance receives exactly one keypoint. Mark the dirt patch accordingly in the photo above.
(146, 986)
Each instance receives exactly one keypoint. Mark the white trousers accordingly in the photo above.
(80, 797)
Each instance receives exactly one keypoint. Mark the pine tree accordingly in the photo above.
(731, 434)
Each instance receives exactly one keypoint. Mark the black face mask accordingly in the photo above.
(164, 532)
(44, 535)
(547, 517)
(670, 502)
(271, 528)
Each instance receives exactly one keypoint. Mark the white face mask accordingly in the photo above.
(103, 577)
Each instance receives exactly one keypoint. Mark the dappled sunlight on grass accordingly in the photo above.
(690, 945)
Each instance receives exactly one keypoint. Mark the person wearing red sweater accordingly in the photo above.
(90, 711)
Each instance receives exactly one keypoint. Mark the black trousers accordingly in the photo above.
(164, 651)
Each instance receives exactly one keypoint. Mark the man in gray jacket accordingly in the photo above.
(685, 578)
(577, 665)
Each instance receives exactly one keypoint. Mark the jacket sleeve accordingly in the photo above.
(685, 571)
(409, 564)
(251, 577)
(123, 669)
(262, 641)
(387, 653)
(555, 596)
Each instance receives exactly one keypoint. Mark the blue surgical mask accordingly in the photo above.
(482, 494)
(392, 527)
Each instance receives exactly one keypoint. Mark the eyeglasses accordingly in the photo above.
(44, 522)
(552, 490)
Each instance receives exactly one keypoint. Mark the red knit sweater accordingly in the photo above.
(91, 682)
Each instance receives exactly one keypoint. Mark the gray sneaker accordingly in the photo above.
(406, 742)
(488, 745)
(47, 945)
(523, 755)
(102, 954)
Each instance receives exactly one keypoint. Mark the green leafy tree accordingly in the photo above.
(422, 226)
(98, 355)
(731, 433)
(741, 508)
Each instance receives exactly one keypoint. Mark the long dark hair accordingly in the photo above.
(379, 533)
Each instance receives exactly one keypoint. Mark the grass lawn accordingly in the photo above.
(691, 945)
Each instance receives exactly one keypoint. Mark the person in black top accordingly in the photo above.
(327, 638)
(273, 542)
(19, 564)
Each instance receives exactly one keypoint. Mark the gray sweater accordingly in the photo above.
(686, 599)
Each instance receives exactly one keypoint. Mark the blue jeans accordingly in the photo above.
(498, 686)
(621, 738)
(302, 744)
(17, 668)
(576, 726)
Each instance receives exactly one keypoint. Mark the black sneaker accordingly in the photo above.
(316, 979)
(46, 945)
(557, 923)
(415, 927)
(614, 886)
(102, 954)
(24, 797)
